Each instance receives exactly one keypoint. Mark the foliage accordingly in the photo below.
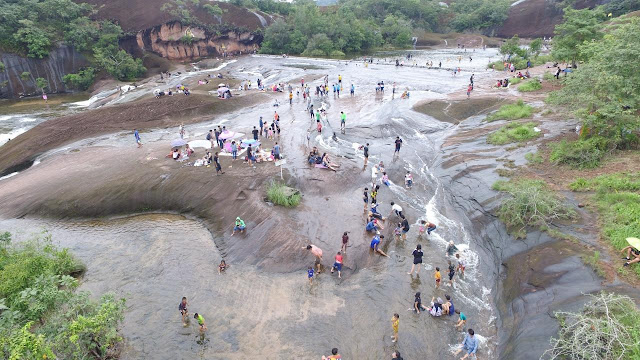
(81, 80)
(41, 83)
(35, 287)
(2, 67)
(531, 203)
(608, 182)
(119, 64)
(513, 132)
(478, 14)
(605, 92)
(213, 10)
(534, 158)
(25, 75)
(268, 6)
(515, 111)
(620, 7)
(187, 39)
(530, 85)
(580, 154)
(512, 47)
(608, 327)
(280, 194)
(578, 27)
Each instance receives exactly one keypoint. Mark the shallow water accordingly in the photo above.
(154, 260)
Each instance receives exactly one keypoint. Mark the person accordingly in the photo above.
(460, 264)
(234, 150)
(447, 307)
(181, 131)
(343, 119)
(238, 226)
(375, 242)
(395, 323)
(462, 320)
(175, 154)
(276, 151)
(216, 161)
(353, 90)
(398, 210)
(319, 125)
(417, 304)
(290, 98)
(137, 136)
(408, 180)
(630, 250)
(255, 133)
(417, 259)
(366, 154)
(436, 307)
(398, 145)
(222, 267)
(317, 252)
(374, 194)
(345, 241)
(385, 179)
(183, 309)
(451, 249)
(469, 90)
(469, 344)
(216, 134)
(334, 355)
(310, 274)
(397, 232)
(365, 198)
(438, 277)
(276, 117)
(337, 265)
(405, 227)
(200, 319)
(45, 98)
(396, 356)
(557, 76)
(250, 157)
(452, 272)
(261, 123)
(430, 227)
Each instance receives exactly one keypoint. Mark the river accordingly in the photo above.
(153, 260)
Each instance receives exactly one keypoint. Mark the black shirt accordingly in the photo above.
(398, 143)
(255, 132)
(366, 151)
(405, 225)
(417, 254)
(365, 196)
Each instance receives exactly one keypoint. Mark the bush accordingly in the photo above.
(514, 132)
(531, 203)
(515, 111)
(531, 85)
(608, 182)
(337, 54)
(534, 158)
(515, 81)
(283, 195)
(81, 80)
(580, 154)
(608, 327)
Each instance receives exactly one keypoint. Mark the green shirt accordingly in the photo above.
(239, 222)
(462, 317)
(343, 117)
(200, 319)
(318, 115)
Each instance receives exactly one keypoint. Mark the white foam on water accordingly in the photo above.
(8, 176)
(5, 117)
(28, 120)
(4, 138)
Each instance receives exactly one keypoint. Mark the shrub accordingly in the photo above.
(187, 39)
(608, 327)
(531, 85)
(213, 10)
(580, 154)
(548, 76)
(531, 203)
(608, 182)
(337, 53)
(534, 158)
(513, 132)
(515, 81)
(283, 195)
(81, 80)
(515, 111)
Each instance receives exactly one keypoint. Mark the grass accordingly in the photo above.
(515, 80)
(531, 85)
(534, 158)
(560, 235)
(579, 154)
(617, 200)
(283, 195)
(530, 203)
(513, 132)
(594, 262)
(518, 110)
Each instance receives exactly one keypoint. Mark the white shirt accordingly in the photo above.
(396, 207)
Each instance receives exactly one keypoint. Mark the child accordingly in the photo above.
(462, 321)
(310, 274)
(438, 277)
(200, 319)
(366, 198)
(222, 267)
(408, 180)
(345, 242)
(385, 178)
(423, 227)
(398, 232)
(460, 264)
(183, 309)
(395, 322)
(452, 272)
(337, 265)
(417, 304)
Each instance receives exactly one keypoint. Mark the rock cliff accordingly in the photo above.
(20, 73)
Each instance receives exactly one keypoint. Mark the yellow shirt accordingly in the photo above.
(394, 324)
(438, 276)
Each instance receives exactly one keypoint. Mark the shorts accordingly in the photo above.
(366, 201)
(405, 231)
(451, 276)
(437, 281)
(338, 266)
(409, 182)
(417, 261)
(238, 228)
(374, 244)
(317, 261)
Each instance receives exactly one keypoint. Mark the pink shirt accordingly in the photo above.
(316, 251)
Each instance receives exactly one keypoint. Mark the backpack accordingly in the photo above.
(209, 136)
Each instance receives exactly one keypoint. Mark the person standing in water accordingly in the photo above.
(200, 319)
(261, 123)
(183, 309)
(395, 324)
(398, 145)
(366, 154)
(366, 198)
(438, 277)
(343, 120)
(137, 136)
(317, 252)
(310, 275)
(405, 227)
(417, 259)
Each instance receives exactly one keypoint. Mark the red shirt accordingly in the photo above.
(339, 259)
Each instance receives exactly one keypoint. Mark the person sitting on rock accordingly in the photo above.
(631, 251)
(239, 226)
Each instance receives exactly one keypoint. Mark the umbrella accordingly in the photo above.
(247, 142)
(635, 242)
(226, 135)
(178, 143)
(200, 144)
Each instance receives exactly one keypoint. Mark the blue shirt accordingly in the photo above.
(135, 133)
(470, 344)
(375, 241)
(370, 226)
(276, 149)
(261, 123)
(310, 273)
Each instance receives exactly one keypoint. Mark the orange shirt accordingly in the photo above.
(438, 276)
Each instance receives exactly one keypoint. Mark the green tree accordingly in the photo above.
(33, 38)
(578, 27)
(213, 10)
(82, 33)
(42, 83)
(2, 68)
(512, 47)
(25, 75)
(81, 80)
(535, 46)
(319, 44)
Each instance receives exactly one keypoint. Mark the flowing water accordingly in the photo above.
(154, 260)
